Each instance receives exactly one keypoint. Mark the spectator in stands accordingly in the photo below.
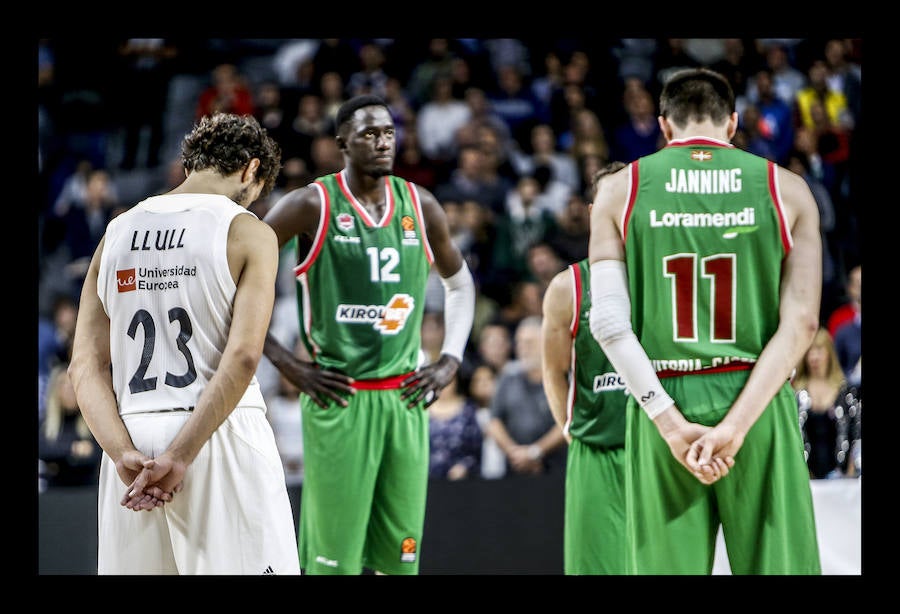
(331, 88)
(844, 74)
(338, 55)
(269, 110)
(817, 89)
(325, 155)
(309, 122)
(456, 439)
(411, 162)
(438, 121)
(482, 384)
(543, 264)
(785, 80)
(849, 309)
(830, 411)
(85, 222)
(848, 345)
(513, 100)
(776, 116)
(572, 233)
(370, 78)
(402, 111)
(70, 455)
(543, 151)
(146, 69)
(798, 163)
(227, 92)
(585, 135)
(54, 342)
(737, 65)
(640, 134)
(438, 61)
(521, 422)
(523, 223)
(467, 181)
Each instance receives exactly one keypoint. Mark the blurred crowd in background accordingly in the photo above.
(507, 133)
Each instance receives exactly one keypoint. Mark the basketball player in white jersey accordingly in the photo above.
(171, 326)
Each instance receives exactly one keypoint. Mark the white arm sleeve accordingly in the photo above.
(610, 321)
(459, 311)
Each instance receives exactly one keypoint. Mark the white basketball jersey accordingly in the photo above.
(165, 284)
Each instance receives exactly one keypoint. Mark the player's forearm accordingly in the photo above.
(772, 369)
(93, 389)
(556, 389)
(278, 355)
(215, 404)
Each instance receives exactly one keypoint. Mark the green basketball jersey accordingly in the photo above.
(705, 235)
(361, 286)
(595, 406)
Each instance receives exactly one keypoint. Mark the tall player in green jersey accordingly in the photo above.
(368, 241)
(587, 399)
(715, 255)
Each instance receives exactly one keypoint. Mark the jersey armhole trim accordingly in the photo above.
(417, 207)
(576, 298)
(633, 177)
(787, 241)
(321, 231)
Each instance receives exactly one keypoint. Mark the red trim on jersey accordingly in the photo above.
(733, 366)
(390, 201)
(696, 141)
(321, 233)
(361, 210)
(573, 328)
(576, 303)
(383, 383)
(632, 196)
(420, 217)
(787, 241)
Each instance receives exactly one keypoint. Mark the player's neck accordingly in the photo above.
(206, 182)
(699, 130)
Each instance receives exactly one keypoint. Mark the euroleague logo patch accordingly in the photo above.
(409, 231)
(126, 280)
(345, 221)
(408, 550)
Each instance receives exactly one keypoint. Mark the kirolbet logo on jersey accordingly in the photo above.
(608, 381)
(387, 319)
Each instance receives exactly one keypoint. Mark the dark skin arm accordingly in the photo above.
(426, 383)
(297, 214)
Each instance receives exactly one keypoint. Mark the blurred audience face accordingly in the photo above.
(495, 345)
(528, 343)
(482, 385)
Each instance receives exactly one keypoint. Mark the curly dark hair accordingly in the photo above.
(227, 142)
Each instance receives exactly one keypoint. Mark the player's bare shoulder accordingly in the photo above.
(249, 238)
(559, 296)
(612, 191)
(431, 207)
(795, 195)
(296, 213)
